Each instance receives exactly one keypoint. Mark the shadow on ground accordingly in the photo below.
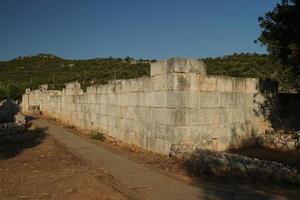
(12, 145)
(237, 187)
(290, 158)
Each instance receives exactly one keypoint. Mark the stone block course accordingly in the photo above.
(178, 104)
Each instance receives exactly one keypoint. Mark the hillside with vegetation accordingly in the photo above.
(250, 65)
(31, 71)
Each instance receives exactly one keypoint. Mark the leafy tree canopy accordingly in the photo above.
(281, 35)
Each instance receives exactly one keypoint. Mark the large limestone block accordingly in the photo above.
(228, 99)
(245, 100)
(164, 99)
(147, 129)
(164, 116)
(240, 85)
(163, 82)
(91, 98)
(132, 85)
(141, 139)
(115, 111)
(72, 88)
(130, 99)
(178, 65)
(240, 115)
(159, 146)
(184, 98)
(145, 114)
(187, 81)
(103, 99)
(212, 116)
(251, 85)
(225, 84)
(177, 81)
(209, 99)
(129, 112)
(91, 89)
(189, 116)
(146, 99)
(163, 132)
(228, 115)
(147, 84)
(189, 133)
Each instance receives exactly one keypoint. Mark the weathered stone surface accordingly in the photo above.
(178, 103)
(178, 65)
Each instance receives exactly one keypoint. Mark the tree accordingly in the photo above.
(281, 35)
(14, 92)
(2, 94)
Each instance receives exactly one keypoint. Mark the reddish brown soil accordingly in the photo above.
(34, 166)
(172, 166)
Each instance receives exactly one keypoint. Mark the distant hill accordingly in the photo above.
(31, 71)
(249, 65)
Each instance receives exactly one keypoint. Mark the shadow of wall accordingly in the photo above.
(280, 109)
(289, 111)
(13, 144)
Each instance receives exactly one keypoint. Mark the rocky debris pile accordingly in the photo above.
(20, 119)
(232, 165)
(280, 141)
(13, 128)
(9, 129)
(8, 109)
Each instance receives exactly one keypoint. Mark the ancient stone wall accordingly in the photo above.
(178, 108)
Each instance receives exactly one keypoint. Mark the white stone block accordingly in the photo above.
(225, 84)
(178, 65)
(164, 116)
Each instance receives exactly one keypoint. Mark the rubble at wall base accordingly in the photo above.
(281, 141)
(222, 164)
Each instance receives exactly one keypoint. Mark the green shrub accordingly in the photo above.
(2, 94)
(95, 135)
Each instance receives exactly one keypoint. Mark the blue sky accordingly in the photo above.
(155, 29)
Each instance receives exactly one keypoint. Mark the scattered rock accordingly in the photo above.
(20, 119)
(23, 197)
(72, 190)
(45, 194)
(9, 129)
(280, 141)
(233, 165)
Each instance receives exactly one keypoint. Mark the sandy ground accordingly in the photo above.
(35, 166)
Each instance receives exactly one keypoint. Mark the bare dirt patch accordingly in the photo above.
(178, 169)
(35, 166)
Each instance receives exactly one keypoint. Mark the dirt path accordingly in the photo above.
(141, 182)
(33, 166)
